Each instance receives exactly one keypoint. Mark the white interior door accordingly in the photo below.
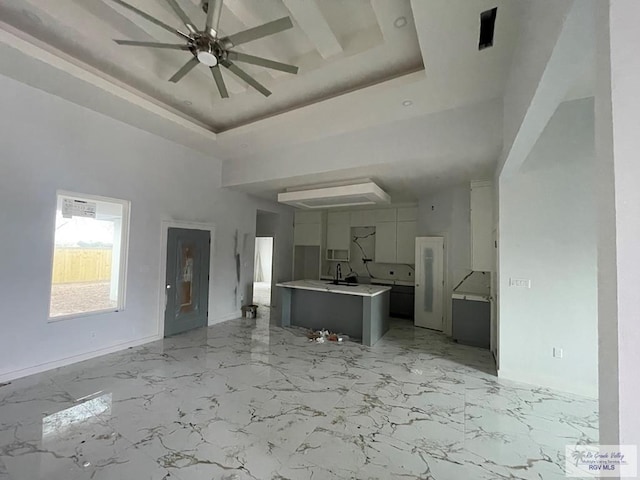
(429, 282)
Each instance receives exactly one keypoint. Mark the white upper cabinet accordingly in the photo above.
(307, 229)
(362, 218)
(408, 214)
(386, 237)
(406, 242)
(384, 215)
(343, 218)
(396, 242)
(482, 246)
(307, 216)
(338, 236)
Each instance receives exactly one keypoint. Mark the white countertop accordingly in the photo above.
(361, 290)
(384, 281)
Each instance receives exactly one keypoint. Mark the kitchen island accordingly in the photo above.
(360, 311)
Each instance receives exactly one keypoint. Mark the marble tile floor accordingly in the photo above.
(248, 400)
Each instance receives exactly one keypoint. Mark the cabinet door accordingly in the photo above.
(407, 214)
(307, 216)
(406, 242)
(339, 217)
(385, 215)
(307, 234)
(482, 250)
(338, 236)
(362, 218)
(386, 242)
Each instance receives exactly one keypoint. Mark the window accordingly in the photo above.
(90, 255)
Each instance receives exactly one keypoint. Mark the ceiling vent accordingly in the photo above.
(367, 193)
(487, 28)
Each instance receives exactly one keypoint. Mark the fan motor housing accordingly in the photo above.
(207, 51)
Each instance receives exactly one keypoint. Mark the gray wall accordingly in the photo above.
(49, 144)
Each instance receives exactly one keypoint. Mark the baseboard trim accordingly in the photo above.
(549, 382)
(43, 367)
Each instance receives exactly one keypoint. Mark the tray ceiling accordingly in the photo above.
(340, 46)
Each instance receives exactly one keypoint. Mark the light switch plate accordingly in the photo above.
(520, 282)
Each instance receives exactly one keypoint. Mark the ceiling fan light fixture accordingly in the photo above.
(209, 50)
(207, 57)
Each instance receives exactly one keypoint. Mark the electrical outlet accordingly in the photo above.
(520, 282)
(557, 352)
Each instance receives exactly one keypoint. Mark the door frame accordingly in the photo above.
(164, 234)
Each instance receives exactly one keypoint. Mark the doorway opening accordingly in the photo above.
(263, 273)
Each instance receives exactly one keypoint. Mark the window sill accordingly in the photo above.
(92, 313)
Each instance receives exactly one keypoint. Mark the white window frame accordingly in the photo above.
(124, 255)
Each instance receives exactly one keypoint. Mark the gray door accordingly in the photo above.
(187, 282)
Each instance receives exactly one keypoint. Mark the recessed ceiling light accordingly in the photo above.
(407, 103)
(187, 102)
(400, 22)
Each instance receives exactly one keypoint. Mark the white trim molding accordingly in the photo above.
(43, 367)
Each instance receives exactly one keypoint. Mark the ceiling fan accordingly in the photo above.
(211, 50)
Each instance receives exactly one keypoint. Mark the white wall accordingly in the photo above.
(49, 144)
(537, 39)
(618, 143)
(448, 213)
(548, 235)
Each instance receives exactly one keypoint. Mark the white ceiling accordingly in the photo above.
(342, 117)
(338, 45)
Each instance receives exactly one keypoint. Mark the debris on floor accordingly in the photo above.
(320, 336)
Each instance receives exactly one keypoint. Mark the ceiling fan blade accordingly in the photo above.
(233, 68)
(184, 70)
(217, 76)
(183, 16)
(263, 62)
(255, 33)
(214, 10)
(151, 19)
(169, 46)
